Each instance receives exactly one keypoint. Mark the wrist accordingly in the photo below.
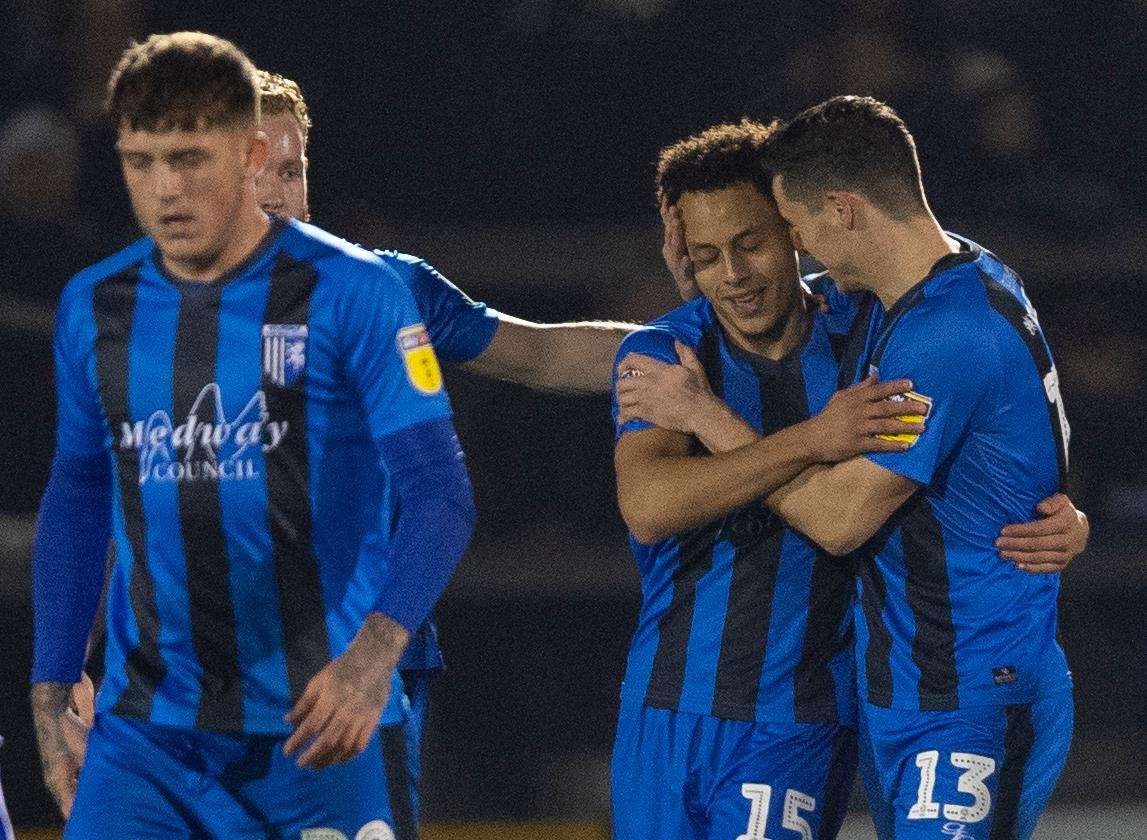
(806, 444)
(381, 640)
(50, 698)
(709, 418)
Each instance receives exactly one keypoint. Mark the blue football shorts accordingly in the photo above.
(682, 776)
(980, 773)
(143, 780)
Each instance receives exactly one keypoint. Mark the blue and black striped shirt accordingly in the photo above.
(243, 419)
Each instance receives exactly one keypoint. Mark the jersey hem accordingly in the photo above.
(744, 714)
(974, 699)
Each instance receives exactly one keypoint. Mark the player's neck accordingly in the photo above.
(248, 230)
(905, 255)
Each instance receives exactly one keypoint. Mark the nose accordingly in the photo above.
(167, 183)
(736, 268)
(268, 193)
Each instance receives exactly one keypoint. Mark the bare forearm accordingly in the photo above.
(672, 493)
(720, 429)
(570, 358)
(840, 506)
(49, 702)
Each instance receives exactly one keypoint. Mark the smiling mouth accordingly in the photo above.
(748, 303)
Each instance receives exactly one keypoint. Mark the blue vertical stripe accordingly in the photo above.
(150, 390)
(709, 610)
(259, 632)
(787, 627)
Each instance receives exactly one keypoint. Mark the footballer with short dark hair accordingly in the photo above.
(966, 694)
(238, 397)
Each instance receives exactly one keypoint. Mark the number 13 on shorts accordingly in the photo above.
(760, 796)
(976, 769)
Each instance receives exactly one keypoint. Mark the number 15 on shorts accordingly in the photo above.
(795, 802)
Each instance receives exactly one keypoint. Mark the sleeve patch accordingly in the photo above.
(910, 418)
(418, 356)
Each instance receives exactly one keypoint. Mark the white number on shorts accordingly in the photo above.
(925, 808)
(760, 796)
(795, 802)
(976, 769)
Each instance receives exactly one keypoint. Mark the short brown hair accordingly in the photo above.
(720, 156)
(184, 80)
(280, 95)
(853, 143)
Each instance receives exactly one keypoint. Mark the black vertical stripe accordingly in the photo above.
(757, 538)
(398, 781)
(1019, 736)
(1029, 331)
(694, 560)
(838, 783)
(854, 348)
(301, 609)
(929, 598)
(709, 354)
(877, 653)
(114, 304)
(830, 592)
(212, 612)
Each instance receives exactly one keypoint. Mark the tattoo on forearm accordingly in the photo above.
(49, 704)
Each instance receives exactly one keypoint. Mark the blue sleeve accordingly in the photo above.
(953, 363)
(388, 356)
(435, 508)
(68, 560)
(460, 328)
(655, 342)
(80, 424)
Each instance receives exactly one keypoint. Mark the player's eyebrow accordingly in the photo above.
(750, 230)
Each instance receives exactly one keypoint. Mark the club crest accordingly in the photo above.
(284, 352)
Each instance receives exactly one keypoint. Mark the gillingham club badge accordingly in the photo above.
(284, 352)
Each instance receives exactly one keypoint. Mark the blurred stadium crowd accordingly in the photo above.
(512, 144)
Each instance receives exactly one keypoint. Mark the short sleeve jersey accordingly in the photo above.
(744, 618)
(943, 622)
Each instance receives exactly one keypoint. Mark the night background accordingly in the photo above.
(512, 144)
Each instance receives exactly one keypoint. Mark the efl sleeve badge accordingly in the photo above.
(418, 356)
(910, 418)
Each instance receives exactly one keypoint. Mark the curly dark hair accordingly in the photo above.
(720, 156)
(853, 143)
(184, 80)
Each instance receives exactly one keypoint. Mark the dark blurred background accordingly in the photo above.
(512, 144)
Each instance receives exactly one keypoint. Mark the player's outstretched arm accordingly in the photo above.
(663, 489)
(572, 358)
(1048, 544)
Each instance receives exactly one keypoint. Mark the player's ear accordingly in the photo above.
(258, 151)
(842, 209)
